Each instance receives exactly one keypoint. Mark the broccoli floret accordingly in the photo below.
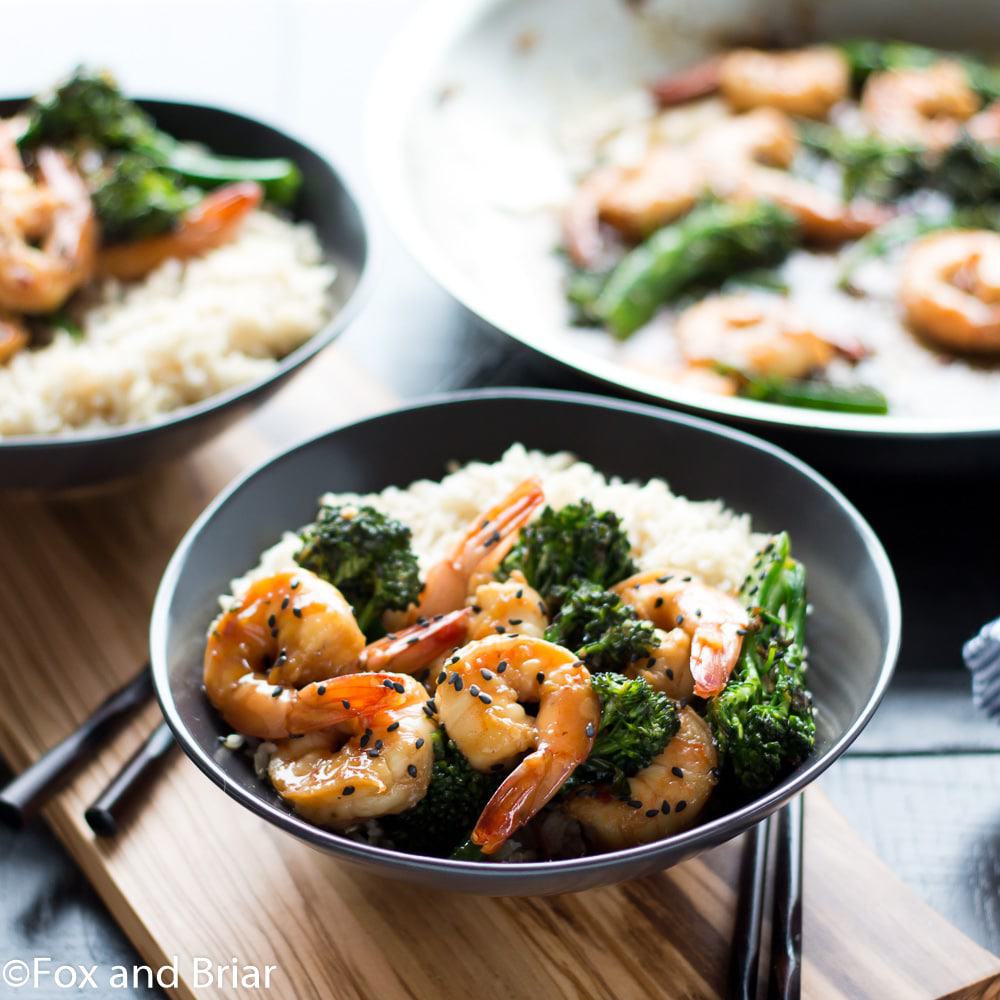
(88, 105)
(443, 819)
(763, 719)
(367, 557)
(601, 628)
(89, 108)
(133, 198)
(563, 547)
(637, 722)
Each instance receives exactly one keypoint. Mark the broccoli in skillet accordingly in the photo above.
(763, 720)
(601, 629)
(637, 722)
(367, 557)
(89, 109)
(445, 816)
(563, 547)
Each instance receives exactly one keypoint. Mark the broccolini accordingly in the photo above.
(367, 557)
(763, 719)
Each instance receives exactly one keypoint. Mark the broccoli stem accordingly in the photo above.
(713, 240)
(817, 395)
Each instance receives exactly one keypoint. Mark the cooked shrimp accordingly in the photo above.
(13, 337)
(367, 751)
(293, 629)
(213, 222)
(926, 104)
(475, 556)
(668, 668)
(715, 621)
(39, 279)
(803, 82)
(950, 289)
(479, 702)
(755, 335)
(664, 798)
(764, 137)
(507, 606)
(985, 126)
(688, 84)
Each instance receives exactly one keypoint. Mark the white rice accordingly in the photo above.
(187, 331)
(665, 530)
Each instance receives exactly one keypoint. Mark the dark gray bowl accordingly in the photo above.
(854, 632)
(88, 457)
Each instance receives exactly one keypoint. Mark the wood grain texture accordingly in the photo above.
(194, 875)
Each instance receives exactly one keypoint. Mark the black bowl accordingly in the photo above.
(854, 631)
(84, 458)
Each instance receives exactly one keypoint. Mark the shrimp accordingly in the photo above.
(926, 104)
(507, 606)
(480, 550)
(950, 289)
(367, 751)
(479, 703)
(668, 667)
(214, 221)
(60, 218)
(804, 82)
(13, 337)
(715, 621)
(293, 629)
(664, 798)
(755, 335)
(985, 126)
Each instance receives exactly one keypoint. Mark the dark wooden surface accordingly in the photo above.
(923, 783)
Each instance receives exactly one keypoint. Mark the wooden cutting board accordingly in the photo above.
(193, 877)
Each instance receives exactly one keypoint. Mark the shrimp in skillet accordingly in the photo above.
(950, 289)
(714, 621)
(293, 629)
(479, 701)
(474, 558)
(664, 798)
(367, 751)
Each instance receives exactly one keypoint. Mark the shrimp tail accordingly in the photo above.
(350, 696)
(679, 87)
(522, 795)
(411, 649)
(715, 649)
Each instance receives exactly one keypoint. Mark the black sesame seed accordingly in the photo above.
(485, 699)
(413, 640)
(428, 711)
(499, 629)
(392, 728)
(295, 584)
(741, 631)
(398, 687)
(431, 705)
(476, 609)
(349, 789)
(274, 633)
(321, 690)
(487, 674)
(589, 730)
(677, 772)
(474, 691)
(272, 621)
(421, 620)
(411, 770)
(284, 603)
(665, 808)
(540, 677)
(419, 743)
(379, 744)
(459, 683)
(276, 693)
(520, 593)
(297, 612)
(697, 612)
(388, 683)
(492, 540)
(515, 621)
(658, 603)
(650, 813)
(346, 704)
(364, 741)
(663, 579)
(680, 619)
(372, 754)
(442, 676)
(634, 804)
(681, 806)
(501, 666)
(454, 659)
(685, 579)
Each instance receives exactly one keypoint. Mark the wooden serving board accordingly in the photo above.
(194, 876)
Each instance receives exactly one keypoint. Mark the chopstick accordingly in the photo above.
(785, 970)
(108, 808)
(749, 913)
(22, 797)
(786, 922)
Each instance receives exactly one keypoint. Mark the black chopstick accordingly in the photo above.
(22, 797)
(109, 807)
(749, 914)
(786, 923)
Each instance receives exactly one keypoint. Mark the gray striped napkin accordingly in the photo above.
(982, 657)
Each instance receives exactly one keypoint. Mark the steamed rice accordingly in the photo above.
(703, 536)
(187, 331)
